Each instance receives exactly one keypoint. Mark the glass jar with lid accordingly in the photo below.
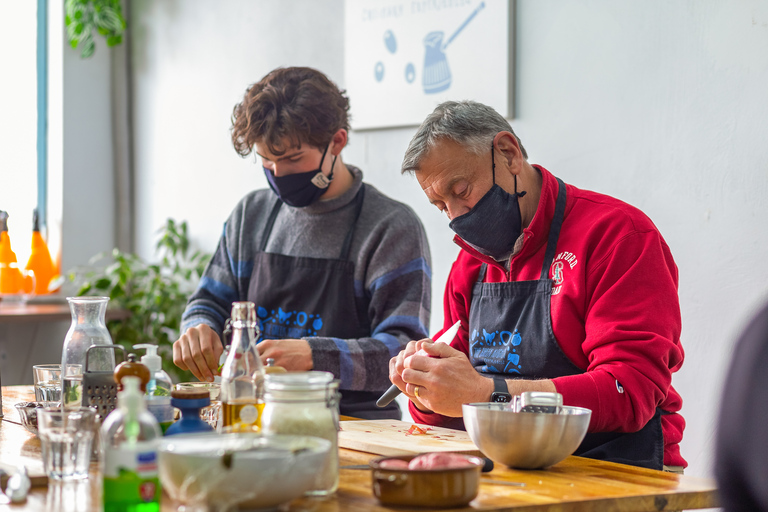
(306, 403)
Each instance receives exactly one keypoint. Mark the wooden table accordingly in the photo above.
(576, 484)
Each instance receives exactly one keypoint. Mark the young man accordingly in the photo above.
(557, 288)
(339, 273)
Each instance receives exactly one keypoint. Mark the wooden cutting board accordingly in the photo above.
(387, 437)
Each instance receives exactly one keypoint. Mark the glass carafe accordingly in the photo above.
(88, 328)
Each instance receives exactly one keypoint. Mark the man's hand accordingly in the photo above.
(444, 376)
(198, 350)
(396, 367)
(292, 354)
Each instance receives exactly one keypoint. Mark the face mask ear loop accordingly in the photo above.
(330, 176)
(493, 166)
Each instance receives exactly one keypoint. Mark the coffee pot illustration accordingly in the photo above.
(437, 74)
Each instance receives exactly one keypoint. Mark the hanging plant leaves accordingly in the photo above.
(85, 18)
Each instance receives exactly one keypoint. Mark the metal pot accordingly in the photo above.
(453, 487)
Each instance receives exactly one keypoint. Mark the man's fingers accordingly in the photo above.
(211, 350)
(202, 364)
(411, 389)
(438, 349)
(189, 361)
(411, 348)
(177, 356)
(414, 378)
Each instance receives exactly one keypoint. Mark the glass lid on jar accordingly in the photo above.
(298, 381)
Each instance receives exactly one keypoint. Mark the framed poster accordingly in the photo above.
(404, 57)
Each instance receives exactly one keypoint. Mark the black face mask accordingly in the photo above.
(303, 188)
(495, 223)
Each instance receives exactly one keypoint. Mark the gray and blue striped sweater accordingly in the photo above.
(392, 274)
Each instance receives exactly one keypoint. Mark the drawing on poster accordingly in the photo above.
(437, 73)
(394, 37)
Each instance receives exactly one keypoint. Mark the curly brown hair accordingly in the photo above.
(288, 107)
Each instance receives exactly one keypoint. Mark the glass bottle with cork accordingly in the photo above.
(242, 376)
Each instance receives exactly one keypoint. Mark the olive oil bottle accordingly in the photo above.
(242, 376)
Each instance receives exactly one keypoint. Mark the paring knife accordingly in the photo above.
(393, 390)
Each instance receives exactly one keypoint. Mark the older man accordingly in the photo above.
(557, 289)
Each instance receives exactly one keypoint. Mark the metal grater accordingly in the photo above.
(100, 388)
(539, 401)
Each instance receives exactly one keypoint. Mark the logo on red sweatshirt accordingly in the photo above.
(562, 262)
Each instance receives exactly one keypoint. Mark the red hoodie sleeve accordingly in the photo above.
(632, 327)
(456, 302)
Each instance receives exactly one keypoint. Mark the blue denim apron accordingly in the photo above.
(300, 297)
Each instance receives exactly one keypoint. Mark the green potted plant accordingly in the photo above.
(85, 18)
(154, 294)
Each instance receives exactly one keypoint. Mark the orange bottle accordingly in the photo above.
(40, 261)
(11, 279)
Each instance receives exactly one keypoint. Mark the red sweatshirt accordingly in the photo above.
(615, 310)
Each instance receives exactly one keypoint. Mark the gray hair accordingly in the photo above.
(469, 123)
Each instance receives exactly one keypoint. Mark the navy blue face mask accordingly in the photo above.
(495, 223)
(303, 188)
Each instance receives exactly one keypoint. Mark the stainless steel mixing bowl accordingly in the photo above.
(525, 440)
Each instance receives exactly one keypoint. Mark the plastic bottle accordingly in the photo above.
(242, 377)
(40, 261)
(158, 392)
(160, 383)
(129, 437)
(189, 402)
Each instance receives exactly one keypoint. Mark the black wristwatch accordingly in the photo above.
(500, 391)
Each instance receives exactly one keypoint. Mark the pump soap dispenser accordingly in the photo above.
(159, 382)
(159, 387)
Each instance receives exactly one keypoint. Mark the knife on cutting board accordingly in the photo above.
(393, 391)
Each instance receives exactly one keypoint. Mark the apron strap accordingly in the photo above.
(344, 255)
(270, 224)
(481, 275)
(554, 229)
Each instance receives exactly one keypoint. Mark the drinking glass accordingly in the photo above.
(47, 379)
(66, 436)
(211, 413)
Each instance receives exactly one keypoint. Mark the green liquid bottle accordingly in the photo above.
(130, 436)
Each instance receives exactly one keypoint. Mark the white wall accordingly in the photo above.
(87, 210)
(661, 104)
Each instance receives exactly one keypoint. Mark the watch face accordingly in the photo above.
(501, 397)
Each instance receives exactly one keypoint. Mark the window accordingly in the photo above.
(23, 100)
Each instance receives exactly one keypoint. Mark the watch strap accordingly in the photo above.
(500, 391)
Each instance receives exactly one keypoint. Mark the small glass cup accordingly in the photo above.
(211, 413)
(66, 437)
(47, 378)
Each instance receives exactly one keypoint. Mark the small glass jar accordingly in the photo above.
(306, 403)
(189, 402)
(211, 413)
